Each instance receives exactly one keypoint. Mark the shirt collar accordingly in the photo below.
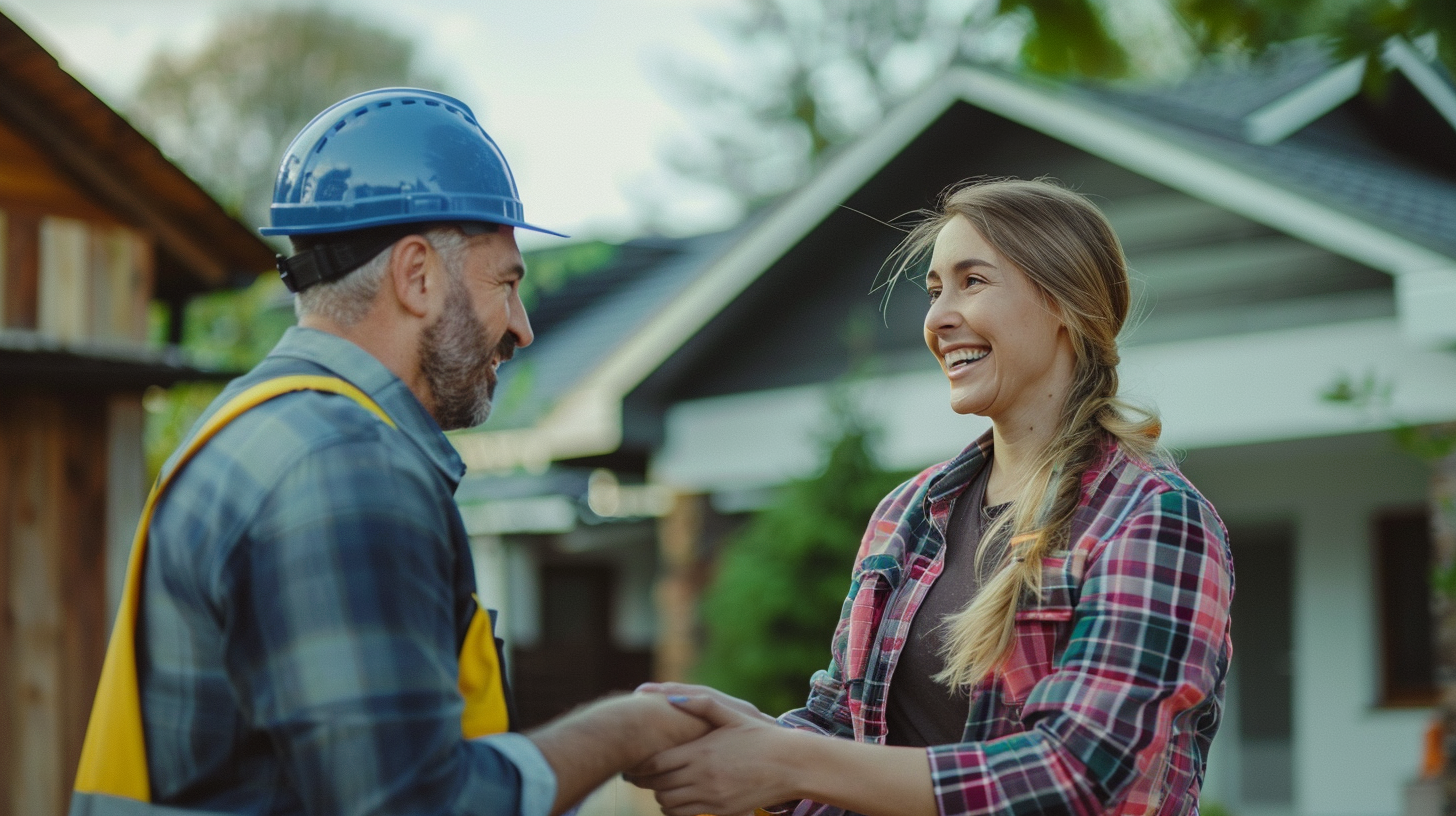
(364, 370)
(959, 472)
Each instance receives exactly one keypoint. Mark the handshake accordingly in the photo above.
(702, 751)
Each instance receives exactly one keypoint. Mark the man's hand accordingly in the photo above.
(731, 770)
(592, 744)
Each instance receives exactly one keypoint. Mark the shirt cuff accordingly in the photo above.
(538, 781)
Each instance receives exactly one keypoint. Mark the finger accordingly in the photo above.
(663, 762)
(690, 809)
(687, 801)
(660, 782)
(684, 689)
(707, 709)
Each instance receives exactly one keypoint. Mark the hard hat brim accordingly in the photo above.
(422, 218)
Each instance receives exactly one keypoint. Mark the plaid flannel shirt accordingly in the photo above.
(307, 587)
(1114, 686)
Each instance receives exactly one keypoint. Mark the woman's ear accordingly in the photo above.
(409, 277)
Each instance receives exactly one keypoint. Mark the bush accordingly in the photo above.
(772, 606)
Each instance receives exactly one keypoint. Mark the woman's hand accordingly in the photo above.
(731, 770)
(689, 690)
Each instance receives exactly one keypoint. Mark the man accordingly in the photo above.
(299, 633)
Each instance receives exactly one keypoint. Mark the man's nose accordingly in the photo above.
(520, 326)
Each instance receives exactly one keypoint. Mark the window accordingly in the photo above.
(1407, 629)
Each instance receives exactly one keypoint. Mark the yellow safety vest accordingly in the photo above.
(114, 755)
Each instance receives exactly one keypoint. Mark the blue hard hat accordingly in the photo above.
(393, 156)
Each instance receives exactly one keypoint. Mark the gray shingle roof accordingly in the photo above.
(578, 326)
(1329, 160)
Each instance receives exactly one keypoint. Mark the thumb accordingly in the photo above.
(706, 709)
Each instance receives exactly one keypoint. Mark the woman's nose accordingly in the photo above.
(941, 316)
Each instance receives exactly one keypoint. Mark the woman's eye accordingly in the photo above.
(972, 280)
(932, 294)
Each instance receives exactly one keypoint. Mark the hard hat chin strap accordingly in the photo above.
(327, 262)
(339, 255)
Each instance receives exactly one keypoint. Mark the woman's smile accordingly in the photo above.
(960, 362)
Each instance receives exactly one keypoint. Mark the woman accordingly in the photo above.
(1039, 624)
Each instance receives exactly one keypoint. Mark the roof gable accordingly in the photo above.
(200, 245)
(1381, 216)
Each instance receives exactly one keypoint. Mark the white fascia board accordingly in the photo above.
(1209, 392)
(1288, 114)
(1426, 303)
(1400, 55)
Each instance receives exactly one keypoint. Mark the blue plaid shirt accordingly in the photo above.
(308, 585)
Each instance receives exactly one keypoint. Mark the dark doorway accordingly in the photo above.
(1263, 633)
(576, 660)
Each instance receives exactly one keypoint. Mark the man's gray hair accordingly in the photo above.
(346, 300)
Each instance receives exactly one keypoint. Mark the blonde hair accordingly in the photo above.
(1065, 246)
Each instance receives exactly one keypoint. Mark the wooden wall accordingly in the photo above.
(72, 473)
(68, 269)
(53, 497)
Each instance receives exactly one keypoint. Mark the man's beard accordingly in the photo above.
(457, 363)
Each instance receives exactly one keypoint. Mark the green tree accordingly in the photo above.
(804, 76)
(226, 113)
(1355, 28)
(772, 605)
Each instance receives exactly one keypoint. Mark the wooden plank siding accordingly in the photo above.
(21, 270)
(53, 471)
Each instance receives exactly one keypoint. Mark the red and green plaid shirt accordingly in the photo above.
(1114, 687)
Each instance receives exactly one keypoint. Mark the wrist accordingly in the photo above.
(796, 757)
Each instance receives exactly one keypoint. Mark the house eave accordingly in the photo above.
(1428, 291)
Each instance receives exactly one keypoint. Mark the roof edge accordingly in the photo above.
(1055, 112)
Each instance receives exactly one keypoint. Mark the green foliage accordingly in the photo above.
(773, 603)
(171, 413)
(547, 270)
(807, 75)
(1068, 37)
(226, 113)
(1210, 807)
(233, 330)
(1374, 396)
(229, 332)
(1367, 393)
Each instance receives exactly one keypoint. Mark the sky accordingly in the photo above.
(566, 87)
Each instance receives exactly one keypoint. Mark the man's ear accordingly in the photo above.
(409, 275)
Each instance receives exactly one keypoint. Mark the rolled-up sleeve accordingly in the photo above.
(340, 641)
(1111, 726)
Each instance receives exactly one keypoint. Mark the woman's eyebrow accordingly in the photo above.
(971, 263)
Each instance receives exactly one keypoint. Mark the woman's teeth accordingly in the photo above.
(961, 357)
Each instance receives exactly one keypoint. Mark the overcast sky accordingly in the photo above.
(564, 86)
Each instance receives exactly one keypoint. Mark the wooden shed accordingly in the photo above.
(95, 225)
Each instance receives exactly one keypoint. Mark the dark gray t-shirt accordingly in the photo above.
(921, 711)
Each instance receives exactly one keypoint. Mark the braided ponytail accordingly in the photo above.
(1067, 249)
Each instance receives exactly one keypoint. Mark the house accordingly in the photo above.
(96, 229)
(1284, 232)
